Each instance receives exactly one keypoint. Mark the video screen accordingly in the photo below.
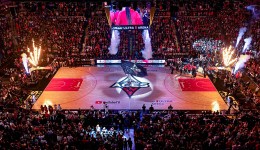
(130, 13)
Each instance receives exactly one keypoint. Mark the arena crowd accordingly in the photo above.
(69, 31)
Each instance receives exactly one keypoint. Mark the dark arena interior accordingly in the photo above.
(129, 75)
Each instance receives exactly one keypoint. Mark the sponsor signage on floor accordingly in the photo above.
(161, 102)
(107, 102)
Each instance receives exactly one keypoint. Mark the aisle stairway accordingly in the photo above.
(129, 133)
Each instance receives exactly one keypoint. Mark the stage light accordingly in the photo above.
(215, 106)
(207, 44)
(47, 103)
(227, 56)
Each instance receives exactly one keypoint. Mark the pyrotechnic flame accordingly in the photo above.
(35, 55)
(227, 56)
(215, 106)
(25, 62)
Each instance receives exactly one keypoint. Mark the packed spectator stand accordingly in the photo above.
(60, 28)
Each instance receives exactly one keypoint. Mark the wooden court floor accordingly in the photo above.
(95, 89)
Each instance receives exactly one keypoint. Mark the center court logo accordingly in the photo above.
(130, 85)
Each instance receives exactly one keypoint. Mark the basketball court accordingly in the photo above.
(81, 87)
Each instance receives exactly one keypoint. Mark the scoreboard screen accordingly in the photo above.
(124, 13)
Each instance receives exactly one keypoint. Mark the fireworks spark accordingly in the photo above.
(227, 56)
(35, 55)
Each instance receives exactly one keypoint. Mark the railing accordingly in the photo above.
(251, 78)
